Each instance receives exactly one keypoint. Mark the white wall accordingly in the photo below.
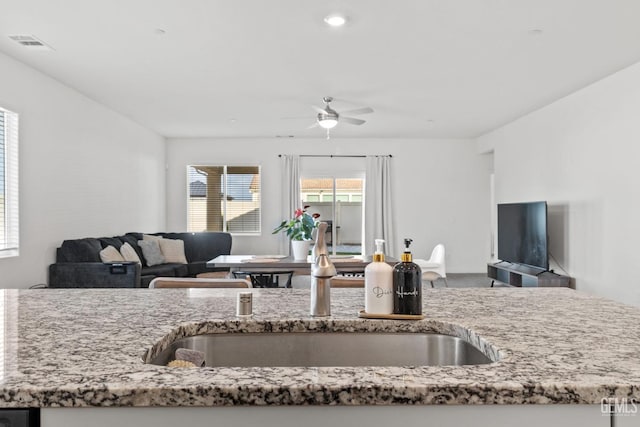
(441, 189)
(85, 171)
(582, 155)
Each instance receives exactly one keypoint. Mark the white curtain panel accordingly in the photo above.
(378, 222)
(290, 167)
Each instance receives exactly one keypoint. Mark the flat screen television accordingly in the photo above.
(522, 233)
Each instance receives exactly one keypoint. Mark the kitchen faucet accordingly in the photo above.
(322, 270)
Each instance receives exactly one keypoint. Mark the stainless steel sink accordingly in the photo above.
(328, 349)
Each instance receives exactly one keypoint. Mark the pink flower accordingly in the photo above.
(301, 226)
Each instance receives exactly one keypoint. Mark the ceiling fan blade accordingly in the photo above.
(351, 120)
(319, 110)
(295, 118)
(315, 125)
(358, 111)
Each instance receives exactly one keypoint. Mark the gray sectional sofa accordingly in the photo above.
(78, 263)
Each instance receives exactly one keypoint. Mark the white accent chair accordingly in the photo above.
(433, 268)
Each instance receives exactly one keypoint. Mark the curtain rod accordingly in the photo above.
(338, 155)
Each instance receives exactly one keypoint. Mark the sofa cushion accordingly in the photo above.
(110, 241)
(181, 270)
(151, 252)
(138, 236)
(173, 250)
(203, 246)
(111, 254)
(80, 250)
(163, 270)
(166, 270)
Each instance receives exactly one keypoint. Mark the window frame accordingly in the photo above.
(225, 167)
(10, 244)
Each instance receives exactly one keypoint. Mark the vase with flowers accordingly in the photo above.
(299, 230)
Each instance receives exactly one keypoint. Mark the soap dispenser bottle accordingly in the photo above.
(378, 284)
(407, 284)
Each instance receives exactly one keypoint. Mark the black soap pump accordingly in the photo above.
(407, 285)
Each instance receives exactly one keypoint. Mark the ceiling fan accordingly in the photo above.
(328, 118)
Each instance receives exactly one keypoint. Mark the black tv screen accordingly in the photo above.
(522, 233)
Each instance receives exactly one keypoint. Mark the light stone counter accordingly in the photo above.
(76, 348)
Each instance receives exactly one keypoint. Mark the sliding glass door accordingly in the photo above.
(339, 201)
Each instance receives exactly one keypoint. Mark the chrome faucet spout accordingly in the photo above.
(322, 270)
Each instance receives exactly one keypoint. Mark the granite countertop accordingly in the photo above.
(84, 347)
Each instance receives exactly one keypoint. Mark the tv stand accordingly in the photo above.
(525, 276)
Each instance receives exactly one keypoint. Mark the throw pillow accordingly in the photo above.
(129, 254)
(173, 250)
(151, 252)
(110, 254)
(132, 239)
(151, 237)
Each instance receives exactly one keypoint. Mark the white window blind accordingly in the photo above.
(9, 232)
(224, 198)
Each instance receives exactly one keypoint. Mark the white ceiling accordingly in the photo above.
(237, 68)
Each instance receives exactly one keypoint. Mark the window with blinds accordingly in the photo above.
(224, 198)
(8, 183)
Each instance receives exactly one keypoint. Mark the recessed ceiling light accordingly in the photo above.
(335, 20)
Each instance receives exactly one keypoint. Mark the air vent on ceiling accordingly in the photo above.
(30, 42)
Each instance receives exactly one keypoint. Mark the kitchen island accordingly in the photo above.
(75, 348)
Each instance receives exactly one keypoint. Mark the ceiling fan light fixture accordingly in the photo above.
(335, 20)
(327, 122)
